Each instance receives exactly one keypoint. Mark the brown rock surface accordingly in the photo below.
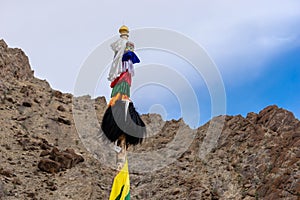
(254, 157)
(14, 63)
(48, 165)
(59, 160)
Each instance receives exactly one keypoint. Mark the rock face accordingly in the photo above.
(14, 63)
(253, 157)
(59, 160)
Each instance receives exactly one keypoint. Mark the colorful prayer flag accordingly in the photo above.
(121, 186)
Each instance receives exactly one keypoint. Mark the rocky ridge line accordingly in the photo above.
(255, 157)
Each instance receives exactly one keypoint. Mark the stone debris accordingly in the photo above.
(59, 160)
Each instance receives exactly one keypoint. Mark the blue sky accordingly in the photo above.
(254, 44)
(278, 83)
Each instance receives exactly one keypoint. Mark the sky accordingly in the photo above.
(255, 46)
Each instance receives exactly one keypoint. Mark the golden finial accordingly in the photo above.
(123, 30)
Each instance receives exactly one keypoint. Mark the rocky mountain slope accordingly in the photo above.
(254, 157)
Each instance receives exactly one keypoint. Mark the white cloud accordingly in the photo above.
(59, 35)
(242, 36)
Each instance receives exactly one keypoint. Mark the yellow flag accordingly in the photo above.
(121, 187)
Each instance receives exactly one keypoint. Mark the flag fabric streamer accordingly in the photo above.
(121, 118)
(121, 185)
